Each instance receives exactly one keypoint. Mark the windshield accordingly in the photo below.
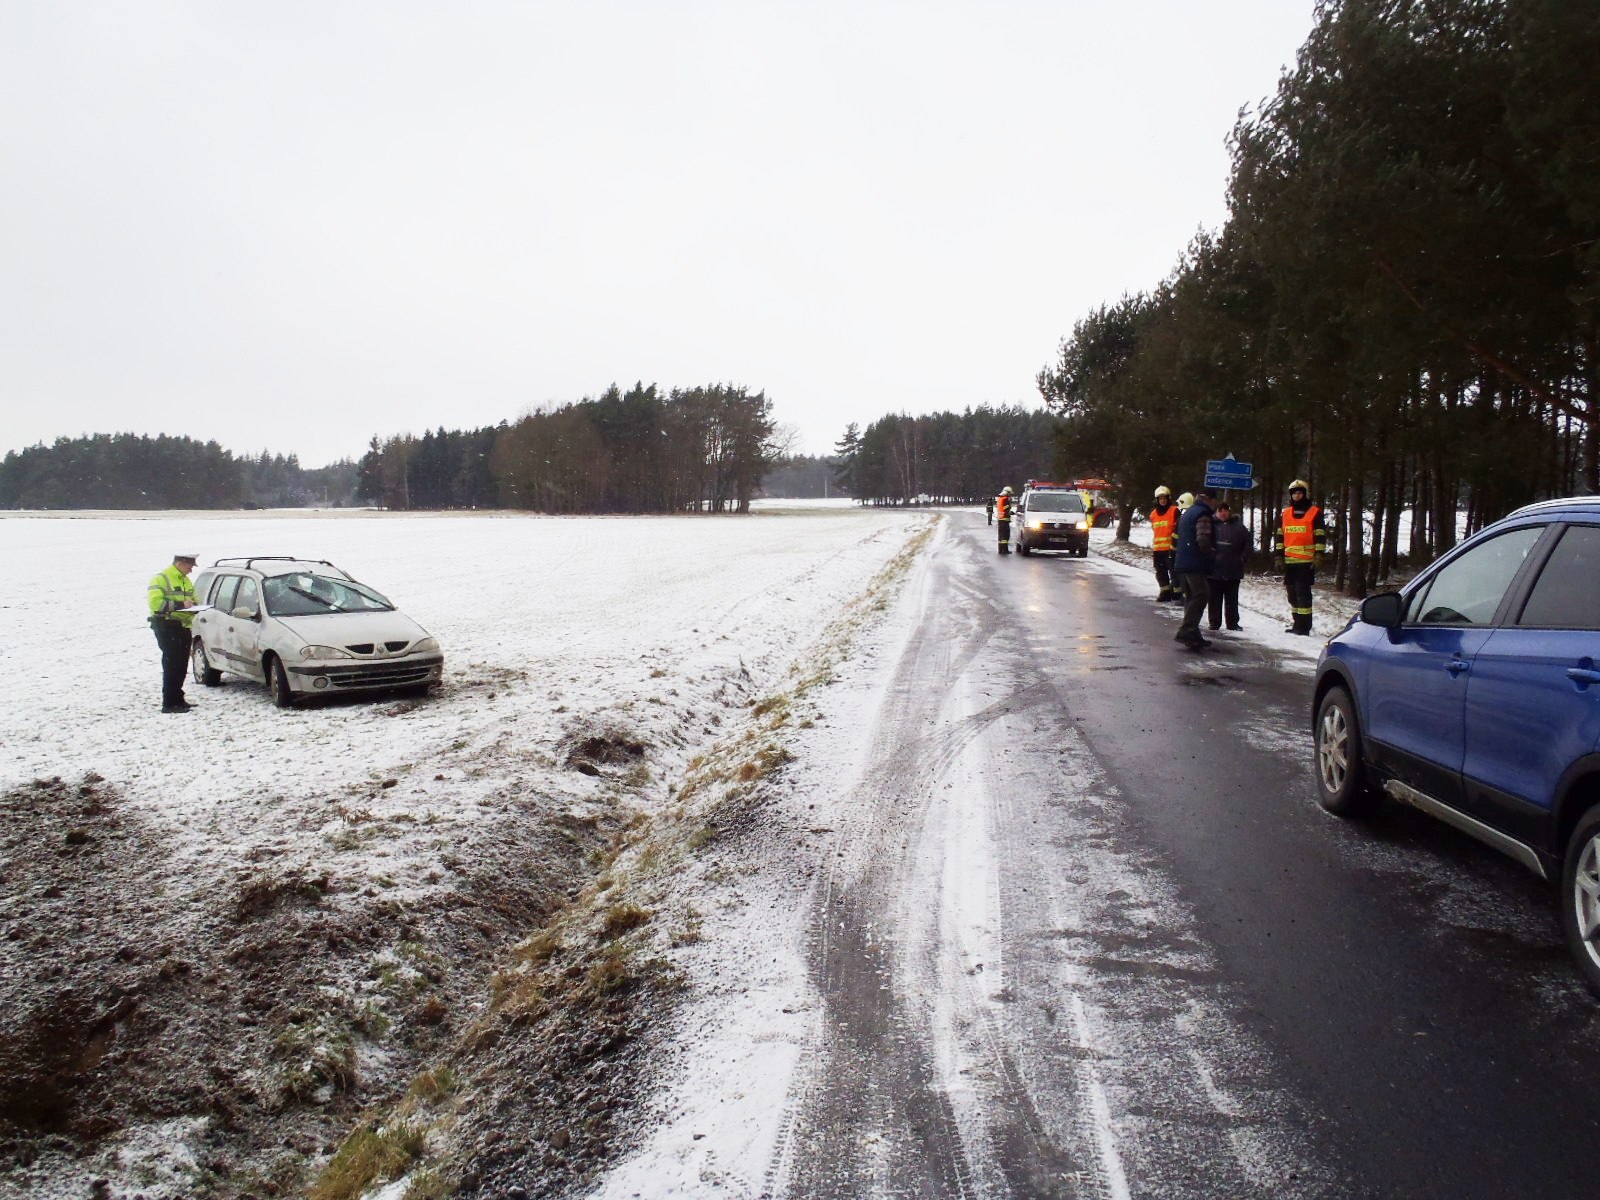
(304, 595)
(1062, 502)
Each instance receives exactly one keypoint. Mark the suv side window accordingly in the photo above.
(1567, 593)
(222, 598)
(1468, 591)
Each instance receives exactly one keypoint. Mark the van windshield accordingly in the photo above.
(1062, 502)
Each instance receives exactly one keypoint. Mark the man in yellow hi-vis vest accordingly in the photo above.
(171, 599)
(1298, 548)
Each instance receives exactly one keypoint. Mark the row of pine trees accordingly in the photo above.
(139, 472)
(1404, 303)
(639, 451)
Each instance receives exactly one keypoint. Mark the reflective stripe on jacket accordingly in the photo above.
(169, 591)
(1301, 536)
(1163, 527)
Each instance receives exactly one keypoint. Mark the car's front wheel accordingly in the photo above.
(278, 683)
(200, 666)
(1580, 897)
(1341, 774)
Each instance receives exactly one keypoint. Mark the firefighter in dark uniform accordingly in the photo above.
(171, 595)
(1298, 548)
(1163, 529)
(1002, 516)
(989, 511)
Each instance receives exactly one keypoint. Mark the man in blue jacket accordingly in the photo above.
(1193, 558)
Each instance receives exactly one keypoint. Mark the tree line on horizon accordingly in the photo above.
(1403, 306)
(140, 472)
(945, 457)
(640, 451)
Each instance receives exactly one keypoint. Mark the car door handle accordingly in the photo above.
(1457, 665)
(1583, 676)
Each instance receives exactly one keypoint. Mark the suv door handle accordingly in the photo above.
(1457, 665)
(1583, 676)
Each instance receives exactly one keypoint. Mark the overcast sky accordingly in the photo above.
(291, 226)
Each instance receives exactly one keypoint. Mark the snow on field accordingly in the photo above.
(653, 631)
(540, 619)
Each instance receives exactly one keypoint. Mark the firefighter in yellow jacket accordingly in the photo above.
(1163, 529)
(171, 596)
(1297, 549)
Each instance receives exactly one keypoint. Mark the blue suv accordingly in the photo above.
(1474, 695)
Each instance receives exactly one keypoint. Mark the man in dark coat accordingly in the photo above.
(1192, 562)
(1234, 541)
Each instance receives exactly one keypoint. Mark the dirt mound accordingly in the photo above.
(271, 1002)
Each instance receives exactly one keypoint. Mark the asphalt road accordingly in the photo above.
(1094, 936)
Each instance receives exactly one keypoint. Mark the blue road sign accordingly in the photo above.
(1228, 466)
(1233, 483)
(1228, 473)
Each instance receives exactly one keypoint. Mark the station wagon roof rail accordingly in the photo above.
(249, 564)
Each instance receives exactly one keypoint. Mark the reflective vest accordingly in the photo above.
(1301, 536)
(171, 590)
(1163, 526)
(1002, 507)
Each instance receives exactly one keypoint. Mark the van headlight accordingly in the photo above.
(325, 652)
(1036, 523)
(1083, 524)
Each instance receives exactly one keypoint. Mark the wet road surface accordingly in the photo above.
(1093, 936)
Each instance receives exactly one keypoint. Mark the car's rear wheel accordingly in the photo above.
(1341, 775)
(1580, 897)
(278, 683)
(200, 666)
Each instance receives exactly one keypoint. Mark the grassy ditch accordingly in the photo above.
(541, 1082)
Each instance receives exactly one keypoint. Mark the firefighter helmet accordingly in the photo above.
(1163, 490)
(1006, 491)
(1185, 500)
(1300, 485)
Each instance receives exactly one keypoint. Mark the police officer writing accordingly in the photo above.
(171, 599)
(1298, 547)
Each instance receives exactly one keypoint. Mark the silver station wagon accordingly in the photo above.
(305, 628)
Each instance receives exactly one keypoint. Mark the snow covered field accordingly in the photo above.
(544, 615)
(648, 632)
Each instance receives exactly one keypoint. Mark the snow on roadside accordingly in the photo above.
(657, 630)
(739, 1042)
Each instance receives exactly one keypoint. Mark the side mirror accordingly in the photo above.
(1385, 609)
(244, 613)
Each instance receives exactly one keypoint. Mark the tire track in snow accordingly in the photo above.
(874, 1113)
(1103, 1060)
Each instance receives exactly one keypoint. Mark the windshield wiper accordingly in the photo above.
(314, 596)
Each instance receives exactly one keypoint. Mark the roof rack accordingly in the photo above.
(1565, 502)
(249, 564)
